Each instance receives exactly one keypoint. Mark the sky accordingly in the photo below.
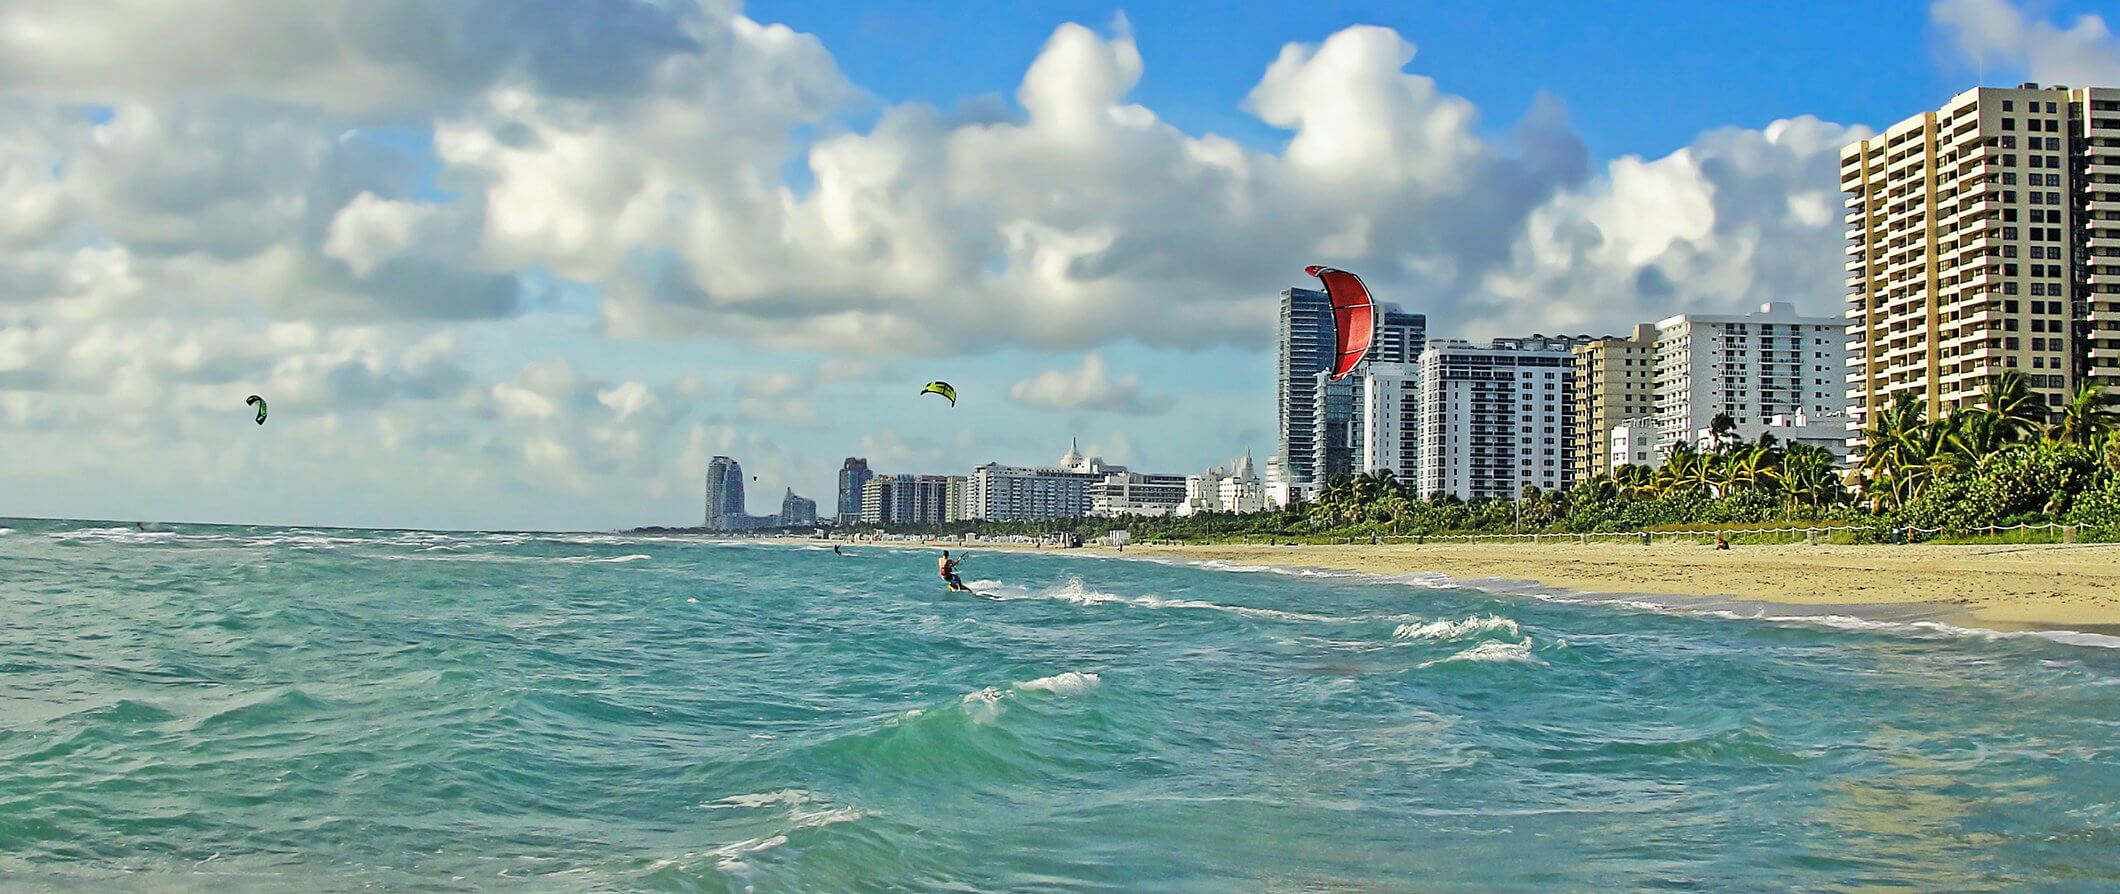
(528, 266)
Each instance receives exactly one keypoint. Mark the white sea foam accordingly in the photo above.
(1768, 612)
(1076, 592)
(787, 796)
(1491, 652)
(1068, 683)
(605, 560)
(730, 858)
(1446, 629)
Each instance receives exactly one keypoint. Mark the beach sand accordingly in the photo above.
(2071, 587)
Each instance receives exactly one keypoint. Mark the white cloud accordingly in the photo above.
(332, 203)
(1995, 32)
(1088, 387)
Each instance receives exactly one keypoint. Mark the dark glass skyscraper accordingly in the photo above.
(725, 504)
(854, 474)
(1319, 431)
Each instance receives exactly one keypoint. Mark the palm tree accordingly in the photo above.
(1806, 474)
(1977, 433)
(2088, 415)
(1685, 468)
(1634, 481)
(1392, 509)
(1722, 432)
(2008, 399)
(1753, 467)
(1890, 449)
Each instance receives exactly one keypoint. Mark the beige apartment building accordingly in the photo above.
(1984, 236)
(1615, 380)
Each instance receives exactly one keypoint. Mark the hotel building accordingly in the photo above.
(1984, 236)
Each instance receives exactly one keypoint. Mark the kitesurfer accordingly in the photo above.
(948, 567)
(835, 550)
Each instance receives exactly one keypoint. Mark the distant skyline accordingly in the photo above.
(532, 271)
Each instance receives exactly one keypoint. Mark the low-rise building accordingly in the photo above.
(1136, 493)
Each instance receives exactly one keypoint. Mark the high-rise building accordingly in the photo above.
(796, 511)
(1984, 236)
(1615, 380)
(725, 503)
(854, 475)
(954, 503)
(927, 499)
(1307, 350)
(1773, 362)
(1495, 417)
(878, 500)
(1391, 420)
(1335, 447)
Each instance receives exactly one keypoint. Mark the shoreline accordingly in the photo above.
(2053, 587)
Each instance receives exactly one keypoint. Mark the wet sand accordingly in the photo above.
(2064, 587)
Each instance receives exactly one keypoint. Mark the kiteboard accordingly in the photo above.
(967, 591)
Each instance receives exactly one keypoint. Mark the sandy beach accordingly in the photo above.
(2074, 587)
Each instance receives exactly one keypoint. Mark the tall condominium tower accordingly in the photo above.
(854, 474)
(1984, 236)
(1319, 434)
(725, 505)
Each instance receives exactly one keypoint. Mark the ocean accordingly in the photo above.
(269, 709)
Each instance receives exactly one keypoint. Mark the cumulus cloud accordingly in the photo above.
(370, 56)
(1996, 32)
(330, 201)
(1088, 387)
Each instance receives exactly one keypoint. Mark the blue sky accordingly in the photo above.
(1640, 77)
(498, 270)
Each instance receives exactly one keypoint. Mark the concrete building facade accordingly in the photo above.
(1984, 236)
(1495, 417)
(1319, 434)
(725, 509)
(854, 475)
(1755, 366)
(1615, 380)
(1391, 420)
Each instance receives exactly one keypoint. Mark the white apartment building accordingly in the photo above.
(1984, 236)
(1281, 491)
(1136, 493)
(1235, 489)
(1495, 417)
(995, 492)
(1755, 366)
(1633, 443)
(1391, 420)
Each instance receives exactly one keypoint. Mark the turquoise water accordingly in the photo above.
(268, 709)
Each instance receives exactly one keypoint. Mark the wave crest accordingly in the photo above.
(1491, 652)
(1447, 629)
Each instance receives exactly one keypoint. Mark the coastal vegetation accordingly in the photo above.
(2008, 459)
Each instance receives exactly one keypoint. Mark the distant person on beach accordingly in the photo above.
(1722, 542)
(948, 567)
